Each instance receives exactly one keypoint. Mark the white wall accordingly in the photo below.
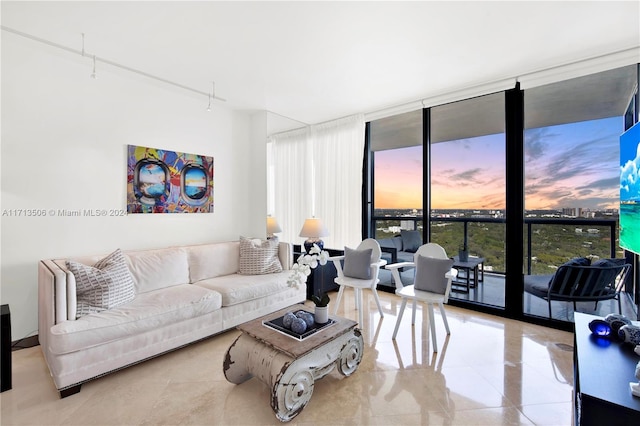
(64, 138)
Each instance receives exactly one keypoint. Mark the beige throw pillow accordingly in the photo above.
(259, 257)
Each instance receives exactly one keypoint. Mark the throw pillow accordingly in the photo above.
(259, 257)
(357, 263)
(558, 278)
(610, 275)
(430, 274)
(411, 240)
(105, 285)
(610, 262)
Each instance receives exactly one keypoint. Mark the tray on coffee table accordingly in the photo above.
(278, 325)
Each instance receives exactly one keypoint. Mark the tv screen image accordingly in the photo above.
(630, 189)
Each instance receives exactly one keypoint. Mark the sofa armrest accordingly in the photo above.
(285, 253)
(53, 304)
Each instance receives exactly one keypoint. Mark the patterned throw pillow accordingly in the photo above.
(430, 274)
(259, 257)
(103, 286)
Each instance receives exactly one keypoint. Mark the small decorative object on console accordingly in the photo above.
(616, 321)
(635, 387)
(600, 328)
(630, 334)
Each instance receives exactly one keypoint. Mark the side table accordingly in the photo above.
(473, 264)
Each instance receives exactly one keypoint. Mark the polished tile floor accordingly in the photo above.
(489, 371)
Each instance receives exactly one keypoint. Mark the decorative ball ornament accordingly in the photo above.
(298, 325)
(288, 319)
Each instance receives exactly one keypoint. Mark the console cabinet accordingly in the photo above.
(603, 369)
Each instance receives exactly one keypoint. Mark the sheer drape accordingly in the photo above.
(291, 180)
(338, 149)
(317, 171)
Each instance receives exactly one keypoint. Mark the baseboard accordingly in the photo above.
(27, 342)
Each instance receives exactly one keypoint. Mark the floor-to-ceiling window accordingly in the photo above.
(396, 148)
(566, 169)
(467, 193)
(396, 144)
(572, 177)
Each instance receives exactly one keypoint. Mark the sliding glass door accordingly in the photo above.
(467, 193)
(572, 179)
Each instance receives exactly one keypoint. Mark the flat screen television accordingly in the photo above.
(630, 189)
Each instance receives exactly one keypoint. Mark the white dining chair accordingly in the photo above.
(433, 274)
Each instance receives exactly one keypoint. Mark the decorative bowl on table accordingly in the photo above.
(293, 328)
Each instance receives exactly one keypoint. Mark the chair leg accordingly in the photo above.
(619, 304)
(359, 306)
(444, 318)
(377, 299)
(549, 301)
(413, 314)
(433, 327)
(402, 306)
(335, 309)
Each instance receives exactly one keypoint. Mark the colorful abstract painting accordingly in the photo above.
(161, 181)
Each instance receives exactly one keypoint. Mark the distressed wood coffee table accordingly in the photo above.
(288, 366)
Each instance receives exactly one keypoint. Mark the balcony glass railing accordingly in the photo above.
(548, 242)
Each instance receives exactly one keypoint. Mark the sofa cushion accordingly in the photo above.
(238, 288)
(213, 260)
(411, 240)
(105, 285)
(259, 257)
(148, 311)
(156, 269)
(357, 263)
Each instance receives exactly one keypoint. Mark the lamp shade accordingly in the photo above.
(313, 228)
(272, 225)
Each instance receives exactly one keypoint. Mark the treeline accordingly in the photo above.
(551, 245)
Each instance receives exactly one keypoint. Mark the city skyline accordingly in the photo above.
(568, 165)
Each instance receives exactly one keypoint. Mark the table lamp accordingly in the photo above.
(272, 227)
(313, 229)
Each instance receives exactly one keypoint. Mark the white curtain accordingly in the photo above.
(338, 149)
(289, 181)
(317, 171)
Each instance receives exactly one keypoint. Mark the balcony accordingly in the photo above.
(549, 242)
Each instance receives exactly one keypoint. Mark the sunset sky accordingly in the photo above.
(570, 165)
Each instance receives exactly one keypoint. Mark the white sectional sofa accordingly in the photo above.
(182, 295)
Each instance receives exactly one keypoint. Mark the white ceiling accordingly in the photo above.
(316, 61)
